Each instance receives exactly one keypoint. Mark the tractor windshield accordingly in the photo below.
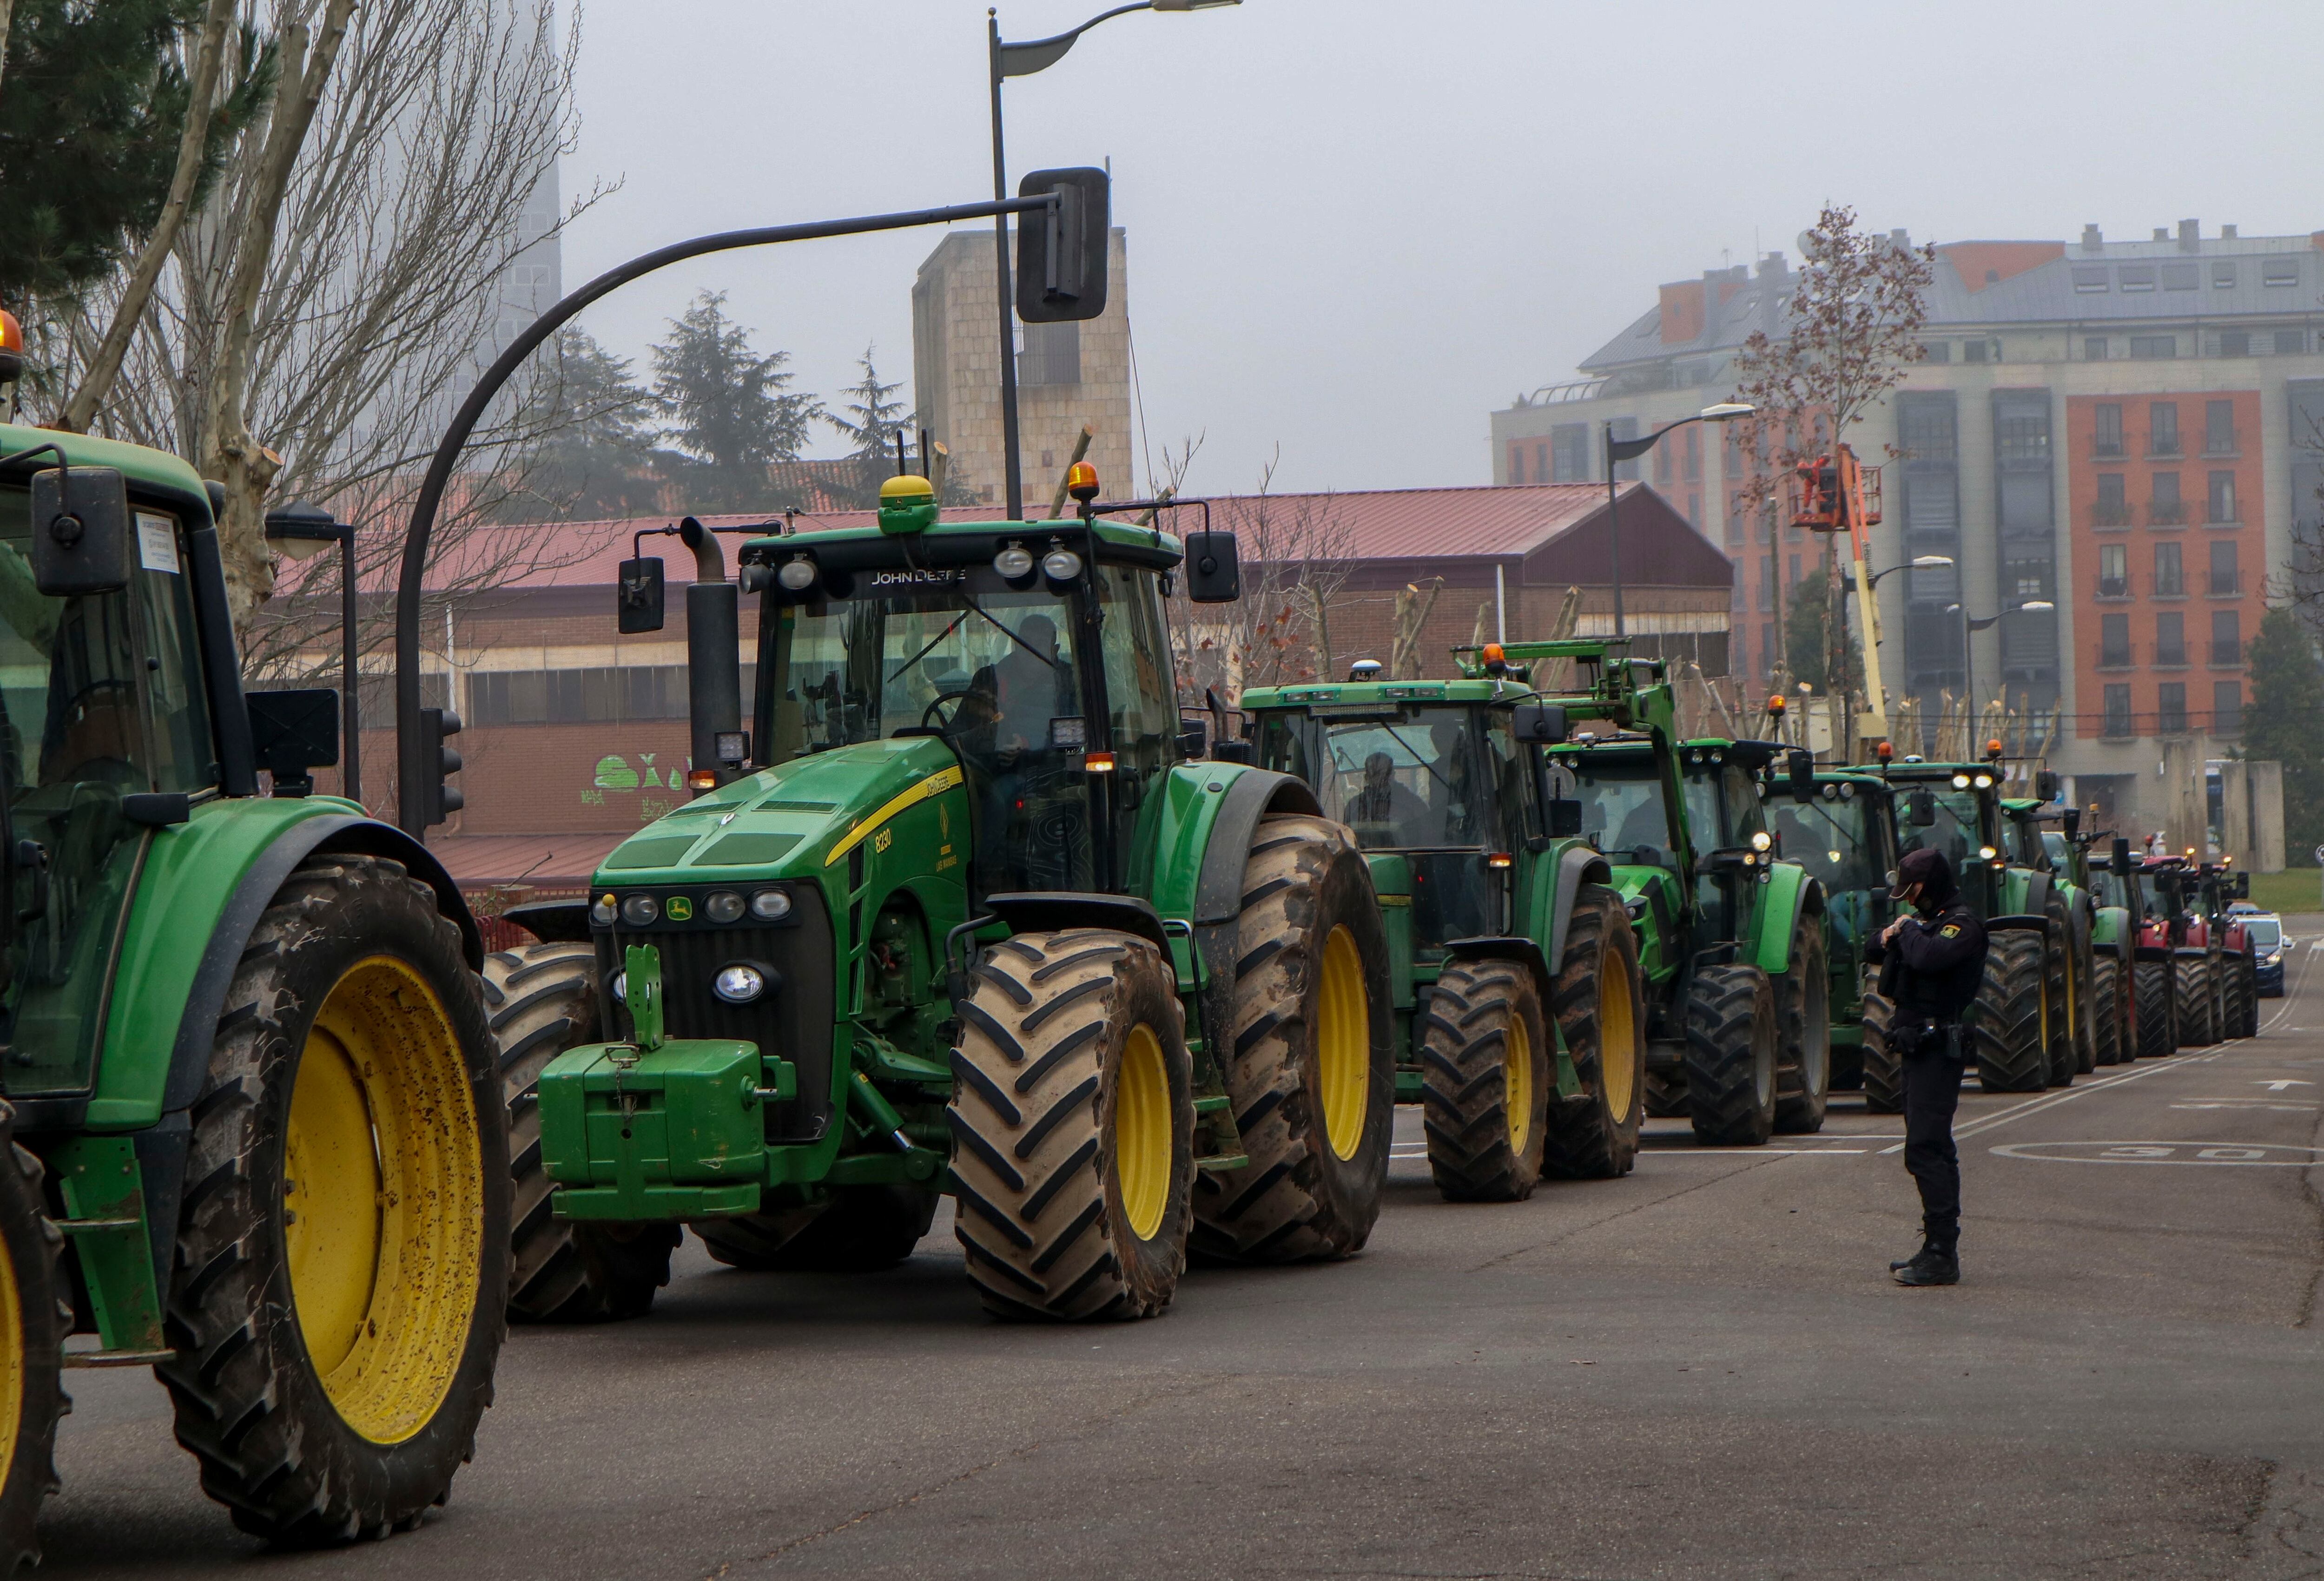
(1831, 837)
(996, 671)
(1942, 819)
(1622, 810)
(2107, 889)
(1408, 779)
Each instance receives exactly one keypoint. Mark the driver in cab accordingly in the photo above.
(1028, 686)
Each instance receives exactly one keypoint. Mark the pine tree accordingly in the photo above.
(1804, 641)
(600, 462)
(93, 103)
(872, 421)
(2280, 725)
(730, 412)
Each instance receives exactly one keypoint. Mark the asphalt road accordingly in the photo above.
(1699, 1370)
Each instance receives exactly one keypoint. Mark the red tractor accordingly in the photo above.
(2197, 971)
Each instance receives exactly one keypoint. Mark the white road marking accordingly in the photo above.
(2280, 1085)
(2218, 1155)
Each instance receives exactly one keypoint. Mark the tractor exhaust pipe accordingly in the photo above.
(714, 665)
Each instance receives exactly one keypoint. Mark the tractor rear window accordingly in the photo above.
(1412, 778)
(1622, 807)
(1829, 839)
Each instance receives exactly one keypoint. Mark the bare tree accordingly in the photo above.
(1297, 554)
(323, 314)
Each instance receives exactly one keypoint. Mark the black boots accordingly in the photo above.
(1931, 1265)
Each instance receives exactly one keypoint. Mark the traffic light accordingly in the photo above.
(443, 800)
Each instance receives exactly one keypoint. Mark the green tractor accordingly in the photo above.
(2034, 858)
(1514, 974)
(2113, 913)
(250, 1137)
(1843, 831)
(1730, 937)
(963, 912)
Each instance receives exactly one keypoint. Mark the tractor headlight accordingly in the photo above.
(639, 910)
(771, 905)
(602, 912)
(1985, 782)
(1986, 851)
(1762, 840)
(1061, 564)
(796, 575)
(1013, 562)
(723, 906)
(621, 987)
(1960, 782)
(739, 984)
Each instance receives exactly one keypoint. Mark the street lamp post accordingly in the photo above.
(1968, 670)
(303, 531)
(1619, 450)
(1004, 60)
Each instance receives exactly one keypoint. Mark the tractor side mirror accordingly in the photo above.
(292, 733)
(1565, 818)
(80, 530)
(638, 596)
(2120, 860)
(1061, 252)
(1213, 575)
(1920, 809)
(1541, 724)
(2045, 785)
(2070, 820)
(2243, 886)
(1803, 775)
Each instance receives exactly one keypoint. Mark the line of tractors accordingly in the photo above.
(967, 907)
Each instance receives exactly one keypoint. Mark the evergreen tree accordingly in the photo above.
(2281, 724)
(730, 412)
(93, 103)
(872, 420)
(1804, 637)
(599, 462)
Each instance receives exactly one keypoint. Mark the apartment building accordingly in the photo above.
(2129, 433)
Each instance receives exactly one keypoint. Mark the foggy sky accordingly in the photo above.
(1356, 226)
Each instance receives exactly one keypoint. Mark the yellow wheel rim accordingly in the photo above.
(1343, 1044)
(1517, 1082)
(1141, 1132)
(1617, 1036)
(383, 1200)
(12, 1374)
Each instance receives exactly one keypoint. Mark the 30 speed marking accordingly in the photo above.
(2231, 1155)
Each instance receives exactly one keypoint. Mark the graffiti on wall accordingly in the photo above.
(637, 773)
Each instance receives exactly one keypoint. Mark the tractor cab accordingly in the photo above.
(1953, 807)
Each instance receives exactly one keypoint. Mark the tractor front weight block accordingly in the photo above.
(668, 1133)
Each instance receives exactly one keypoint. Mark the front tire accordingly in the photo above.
(2011, 1015)
(2247, 973)
(1803, 1032)
(1311, 1072)
(1730, 1056)
(1073, 1122)
(2156, 1000)
(342, 1266)
(1602, 1012)
(2191, 985)
(543, 1000)
(34, 1318)
(1884, 1068)
(1486, 1081)
(2106, 1010)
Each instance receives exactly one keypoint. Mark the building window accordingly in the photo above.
(1936, 351)
(2153, 345)
(2227, 637)
(2218, 428)
(2290, 343)
(2109, 430)
(2226, 575)
(2090, 278)
(1734, 522)
(1541, 468)
(2234, 343)
(1768, 644)
(1516, 463)
(2113, 571)
(2117, 711)
(2220, 508)
(2170, 639)
(1973, 351)
(2094, 348)
(1793, 579)
(2279, 271)
(2223, 277)
(1690, 467)
(1568, 454)
(2162, 427)
(2171, 708)
(1766, 595)
(2113, 642)
(2137, 276)
(599, 695)
(2170, 574)
(1050, 353)
(2025, 438)
(2165, 507)
(2111, 509)
(2226, 708)
(2181, 277)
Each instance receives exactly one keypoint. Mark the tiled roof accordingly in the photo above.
(543, 860)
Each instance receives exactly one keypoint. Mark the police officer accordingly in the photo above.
(1931, 964)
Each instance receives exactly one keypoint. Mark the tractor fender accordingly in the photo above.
(1579, 865)
(1494, 947)
(2154, 952)
(190, 1055)
(1791, 893)
(2017, 921)
(1255, 793)
(2108, 947)
(2037, 892)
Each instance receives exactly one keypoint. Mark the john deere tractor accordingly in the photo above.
(1730, 938)
(1514, 974)
(2113, 1011)
(961, 911)
(2049, 887)
(250, 1137)
(1840, 825)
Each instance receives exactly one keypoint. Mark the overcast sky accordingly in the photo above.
(1356, 226)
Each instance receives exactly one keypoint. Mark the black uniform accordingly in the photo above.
(1931, 971)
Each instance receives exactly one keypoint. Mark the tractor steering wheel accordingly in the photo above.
(927, 715)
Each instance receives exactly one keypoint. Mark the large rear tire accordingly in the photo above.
(342, 1267)
(1730, 1056)
(1804, 1031)
(2057, 1005)
(2084, 1004)
(1602, 1012)
(1073, 1121)
(858, 1229)
(2011, 1015)
(543, 1000)
(2156, 997)
(2247, 974)
(2106, 1010)
(1486, 1081)
(1884, 1068)
(2197, 997)
(1311, 1072)
(33, 1319)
